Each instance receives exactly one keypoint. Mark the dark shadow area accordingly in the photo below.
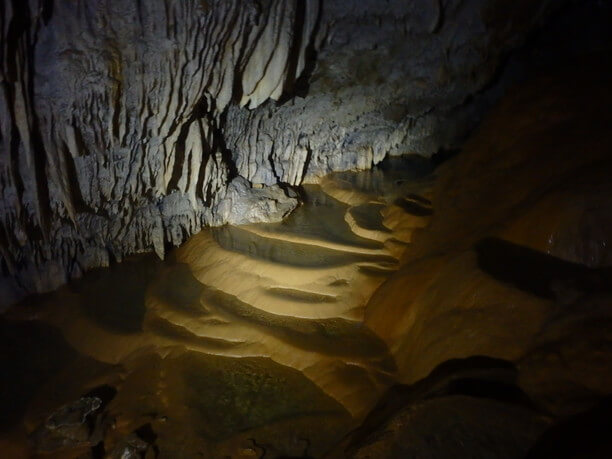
(585, 435)
(574, 29)
(478, 377)
(494, 390)
(577, 28)
(287, 253)
(369, 216)
(98, 451)
(413, 208)
(444, 154)
(387, 177)
(408, 167)
(31, 354)
(148, 435)
(536, 272)
(104, 392)
(114, 297)
(178, 288)
(298, 85)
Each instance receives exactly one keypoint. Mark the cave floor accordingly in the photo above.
(244, 340)
(407, 311)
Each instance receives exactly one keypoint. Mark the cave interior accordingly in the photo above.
(305, 228)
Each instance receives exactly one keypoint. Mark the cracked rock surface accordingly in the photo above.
(126, 126)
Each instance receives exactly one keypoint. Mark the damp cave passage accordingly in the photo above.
(305, 228)
(243, 330)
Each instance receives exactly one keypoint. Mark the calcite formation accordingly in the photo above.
(246, 338)
(126, 126)
(404, 311)
(110, 120)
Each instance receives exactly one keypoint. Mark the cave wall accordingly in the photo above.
(391, 77)
(110, 116)
(126, 125)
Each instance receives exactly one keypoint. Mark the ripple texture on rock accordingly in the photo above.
(126, 126)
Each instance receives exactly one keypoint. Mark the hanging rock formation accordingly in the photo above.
(125, 126)
(391, 77)
(109, 118)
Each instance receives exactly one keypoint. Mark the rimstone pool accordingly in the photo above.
(245, 339)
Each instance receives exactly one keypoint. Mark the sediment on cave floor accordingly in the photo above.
(378, 305)
(318, 229)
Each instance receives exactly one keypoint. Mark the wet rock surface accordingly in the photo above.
(469, 407)
(405, 311)
(129, 126)
(248, 341)
(496, 273)
(70, 426)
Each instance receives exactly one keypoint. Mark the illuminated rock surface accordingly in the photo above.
(456, 308)
(280, 339)
(247, 338)
(126, 126)
(514, 264)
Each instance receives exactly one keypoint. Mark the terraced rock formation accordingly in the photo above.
(125, 126)
(513, 265)
(399, 312)
(248, 338)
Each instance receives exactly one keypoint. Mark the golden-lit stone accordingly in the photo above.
(244, 332)
(281, 337)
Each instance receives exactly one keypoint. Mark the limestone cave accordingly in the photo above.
(305, 229)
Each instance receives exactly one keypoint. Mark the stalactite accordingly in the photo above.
(126, 126)
(107, 146)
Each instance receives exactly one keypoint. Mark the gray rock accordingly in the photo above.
(70, 426)
(110, 123)
(125, 126)
(244, 204)
(391, 78)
